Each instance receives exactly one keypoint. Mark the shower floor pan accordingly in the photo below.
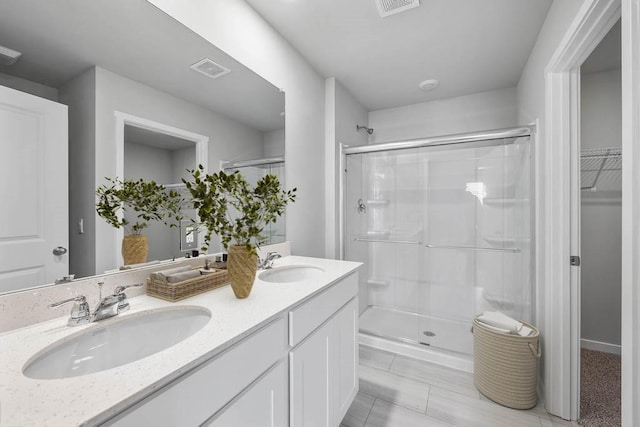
(417, 329)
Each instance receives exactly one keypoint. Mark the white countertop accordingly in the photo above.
(94, 398)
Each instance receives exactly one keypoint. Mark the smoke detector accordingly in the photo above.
(210, 68)
(427, 85)
(389, 7)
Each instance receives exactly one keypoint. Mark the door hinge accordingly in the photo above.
(574, 260)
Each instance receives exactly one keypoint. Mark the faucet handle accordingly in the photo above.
(80, 313)
(120, 289)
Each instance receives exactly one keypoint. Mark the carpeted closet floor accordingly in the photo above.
(600, 389)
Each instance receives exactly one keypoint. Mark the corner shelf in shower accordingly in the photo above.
(500, 202)
(505, 242)
(377, 282)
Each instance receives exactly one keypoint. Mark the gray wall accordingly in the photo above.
(28, 86)
(481, 111)
(601, 229)
(79, 95)
(228, 139)
(93, 98)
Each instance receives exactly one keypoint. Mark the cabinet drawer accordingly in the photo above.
(308, 316)
(193, 398)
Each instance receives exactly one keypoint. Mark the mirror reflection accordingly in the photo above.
(111, 89)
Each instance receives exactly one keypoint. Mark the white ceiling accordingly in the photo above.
(61, 39)
(469, 45)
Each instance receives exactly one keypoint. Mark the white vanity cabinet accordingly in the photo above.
(263, 404)
(197, 396)
(299, 370)
(323, 365)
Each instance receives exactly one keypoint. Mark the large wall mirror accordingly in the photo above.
(146, 97)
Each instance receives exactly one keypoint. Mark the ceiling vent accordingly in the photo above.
(210, 68)
(389, 7)
(8, 56)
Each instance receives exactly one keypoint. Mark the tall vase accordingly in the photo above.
(241, 267)
(135, 249)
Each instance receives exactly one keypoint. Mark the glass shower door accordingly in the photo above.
(383, 229)
(444, 233)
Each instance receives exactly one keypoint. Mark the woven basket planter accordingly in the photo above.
(506, 366)
(242, 267)
(135, 249)
(157, 285)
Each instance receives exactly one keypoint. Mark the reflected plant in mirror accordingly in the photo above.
(229, 207)
(133, 205)
(238, 213)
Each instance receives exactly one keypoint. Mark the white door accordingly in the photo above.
(33, 190)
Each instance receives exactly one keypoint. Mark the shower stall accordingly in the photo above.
(444, 228)
(254, 170)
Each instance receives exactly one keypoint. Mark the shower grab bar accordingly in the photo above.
(473, 248)
(404, 242)
(461, 138)
(431, 246)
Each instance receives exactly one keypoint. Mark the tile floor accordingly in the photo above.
(397, 391)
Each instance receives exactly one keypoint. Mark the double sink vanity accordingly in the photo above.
(286, 355)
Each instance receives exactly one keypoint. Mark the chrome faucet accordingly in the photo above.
(109, 306)
(267, 262)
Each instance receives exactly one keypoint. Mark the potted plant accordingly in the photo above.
(141, 202)
(229, 207)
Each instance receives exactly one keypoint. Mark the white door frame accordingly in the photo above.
(559, 239)
(630, 212)
(122, 119)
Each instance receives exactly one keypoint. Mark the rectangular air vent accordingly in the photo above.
(389, 7)
(210, 68)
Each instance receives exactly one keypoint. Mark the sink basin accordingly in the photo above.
(117, 343)
(290, 273)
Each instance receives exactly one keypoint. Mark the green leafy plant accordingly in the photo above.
(229, 207)
(141, 202)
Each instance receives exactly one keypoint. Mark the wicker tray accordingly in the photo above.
(158, 287)
(506, 366)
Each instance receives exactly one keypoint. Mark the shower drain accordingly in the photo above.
(429, 334)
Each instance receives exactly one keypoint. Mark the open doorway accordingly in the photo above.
(601, 233)
(156, 151)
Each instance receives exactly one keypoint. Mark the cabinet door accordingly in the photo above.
(309, 381)
(263, 404)
(344, 359)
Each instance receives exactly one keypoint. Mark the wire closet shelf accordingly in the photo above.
(601, 169)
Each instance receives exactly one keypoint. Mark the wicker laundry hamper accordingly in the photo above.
(506, 366)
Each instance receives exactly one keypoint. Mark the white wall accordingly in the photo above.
(481, 111)
(531, 107)
(601, 233)
(79, 95)
(237, 29)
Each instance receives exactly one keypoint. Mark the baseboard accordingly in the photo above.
(601, 346)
